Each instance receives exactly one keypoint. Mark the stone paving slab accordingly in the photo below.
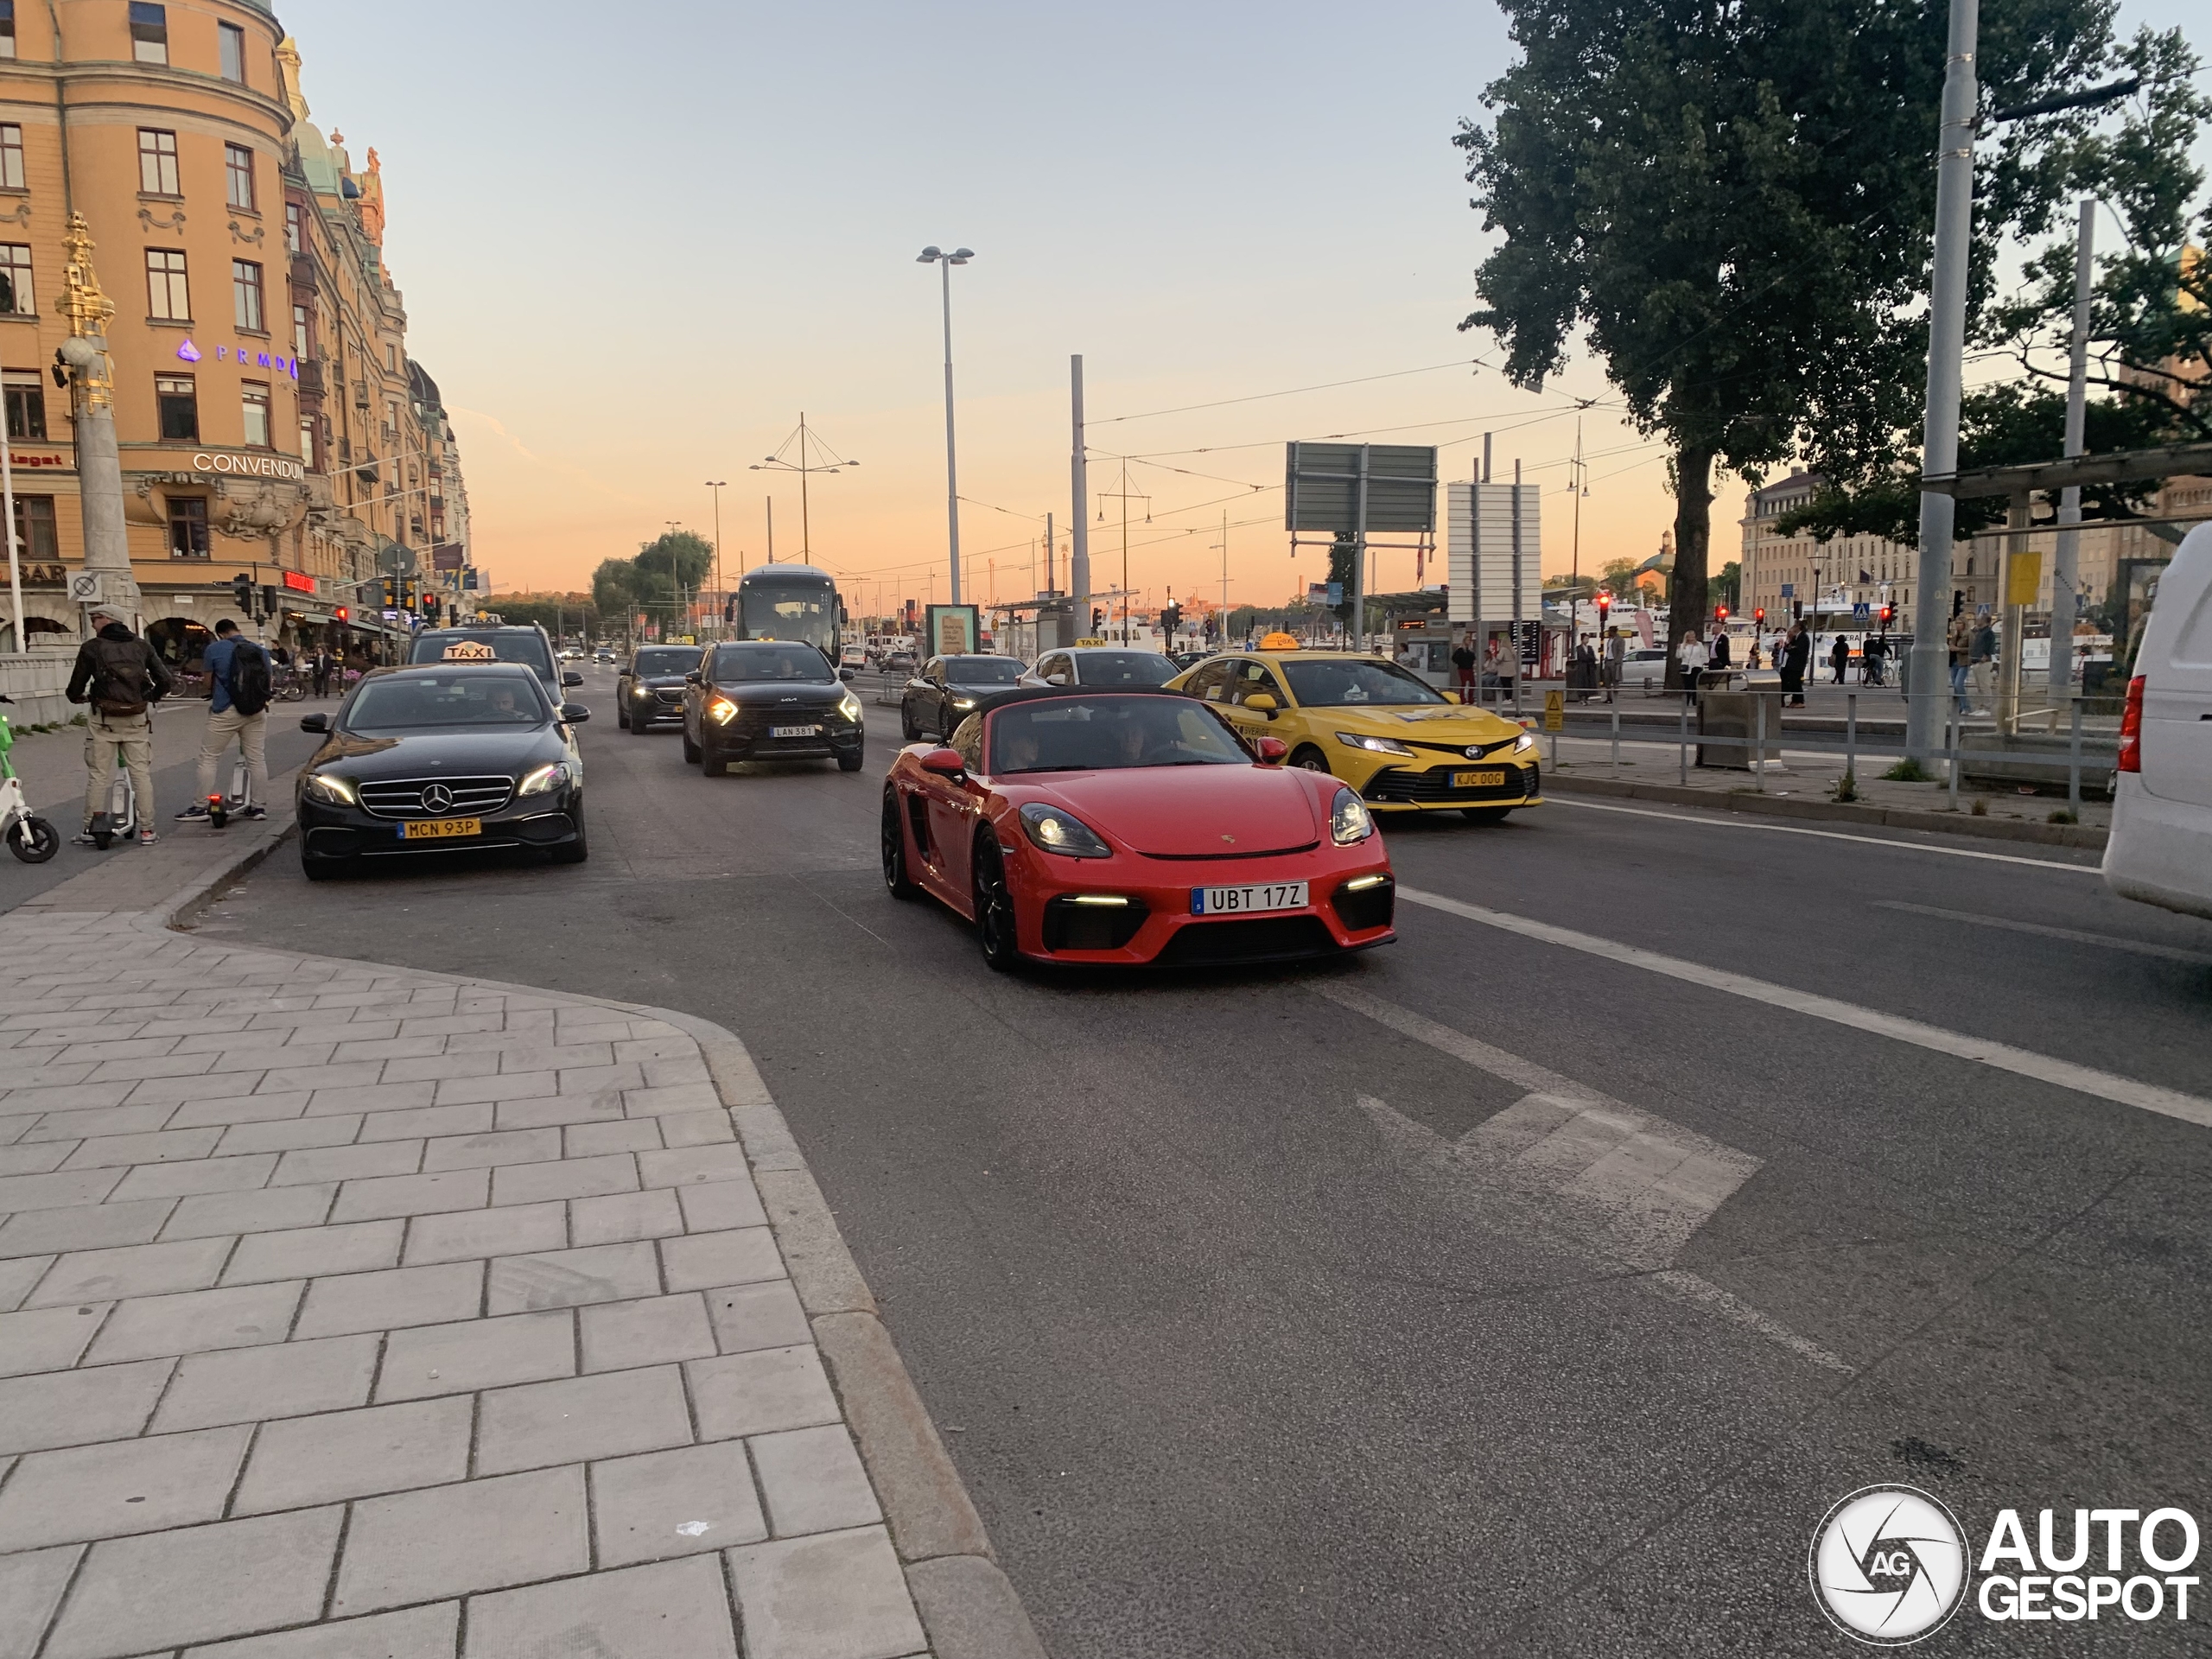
(348, 1312)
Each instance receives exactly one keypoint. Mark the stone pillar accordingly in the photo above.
(99, 465)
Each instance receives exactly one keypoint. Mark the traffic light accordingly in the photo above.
(390, 594)
(242, 591)
(1888, 611)
(1721, 613)
(268, 600)
(1759, 615)
(1097, 619)
(341, 612)
(1170, 618)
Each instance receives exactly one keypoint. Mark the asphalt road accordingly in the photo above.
(1245, 1353)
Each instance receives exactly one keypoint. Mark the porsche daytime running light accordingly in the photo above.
(334, 791)
(1055, 831)
(1380, 745)
(1361, 883)
(1350, 820)
(722, 711)
(544, 778)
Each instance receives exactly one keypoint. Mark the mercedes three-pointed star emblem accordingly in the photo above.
(437, 799)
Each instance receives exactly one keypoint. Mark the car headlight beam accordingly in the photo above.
(1523, 743)
(722, 711)
(1349, 821)
(1378, 745)
(1053, 830)
(334, 791)
(850, 708)
(544, 778)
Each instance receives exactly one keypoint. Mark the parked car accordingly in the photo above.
(948, 689)
(2160, 849)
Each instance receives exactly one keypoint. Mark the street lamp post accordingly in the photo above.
(718, 485)
(936, 256)
(809, 446)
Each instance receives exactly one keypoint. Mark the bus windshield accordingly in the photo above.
(798, 609)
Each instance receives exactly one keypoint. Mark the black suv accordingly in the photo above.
(651, 686)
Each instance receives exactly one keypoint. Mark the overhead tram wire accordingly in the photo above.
(1291, 391)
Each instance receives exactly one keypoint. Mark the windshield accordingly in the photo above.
(667, 659)
(1104, 734)
(1125, 668)
(524, 646)
(1333, 683)
(778, 610)
(464, 697)
(982, 670)
(739, 664)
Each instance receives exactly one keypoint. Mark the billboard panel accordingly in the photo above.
(1478, 534)
(953, 631)
(1321, 487)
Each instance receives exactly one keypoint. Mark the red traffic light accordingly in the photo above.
(1720, 611)
(339, 612)
(1759, 615)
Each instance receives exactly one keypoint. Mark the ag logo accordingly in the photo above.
(1889, 1566)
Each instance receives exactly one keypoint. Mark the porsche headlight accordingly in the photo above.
(1379, 745)
(332, 792)
(722, 711)
(1523, 743)
(544, 779)
(1349, 821)
(850, 706)
(1056, 831)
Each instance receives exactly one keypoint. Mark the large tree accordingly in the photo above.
(1730, 203)
(665, 571)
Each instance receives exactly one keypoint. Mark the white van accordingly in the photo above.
(2161, 847)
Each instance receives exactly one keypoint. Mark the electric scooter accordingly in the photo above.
(219, 807)
(121, 818)
(29, 837)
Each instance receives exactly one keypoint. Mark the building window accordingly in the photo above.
(168, 295)
(299, 331)
(306, 441)
(179, 397)
(246, 293)
(7, 29)
(292, 226)
(391, 421)
(157, 162)
(392, 357)
(149, 32)
(35, 528)
(233, 40)
(26, 408)
(187, 527)
(16, 295)
(256, 406)
(238, 165)
(11, 152)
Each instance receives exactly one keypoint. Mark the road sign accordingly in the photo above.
(1555, 710)
(1862, 608)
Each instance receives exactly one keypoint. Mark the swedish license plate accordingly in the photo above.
(1241, 901)
(794, 731)
(1478, 780)
(440, 829)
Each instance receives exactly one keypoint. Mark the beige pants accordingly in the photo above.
(106, 736)
(250, 730)
(1983, 674)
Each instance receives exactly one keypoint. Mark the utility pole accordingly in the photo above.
(1079, 476)
(2066, 562)
(1930, 681)
(1221, 634)
(1048, 588)
(1516, 587)
(1123, 494)
(771, 530)
(717, 485)
(1574, 576)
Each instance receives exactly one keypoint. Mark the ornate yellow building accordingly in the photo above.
(268, 419)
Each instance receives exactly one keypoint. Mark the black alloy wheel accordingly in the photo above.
(894, 848)
(1309, 758)
(621, 716)
(33, 840)
(640, 722)
(908, 729)
(851, 762)
(713, 765)
(996, 929)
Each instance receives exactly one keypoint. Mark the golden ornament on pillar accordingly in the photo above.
(88, 310)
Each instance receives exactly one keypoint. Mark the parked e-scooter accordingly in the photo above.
(29, 837)
(121, 818)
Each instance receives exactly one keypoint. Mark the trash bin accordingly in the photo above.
(1735, 715)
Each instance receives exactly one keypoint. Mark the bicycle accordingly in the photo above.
(29, 837)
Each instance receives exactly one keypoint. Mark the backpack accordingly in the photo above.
(249, 678)
(121, 685)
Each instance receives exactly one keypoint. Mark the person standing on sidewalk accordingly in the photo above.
(1839, 657)
(120, 677)
(1796, 657)
(1958, 641)
(1981, 662)
(1462, 666)
(1693, 656)
(319, 666)
(237, 706)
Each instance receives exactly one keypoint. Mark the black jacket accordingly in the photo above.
(1797, 653)
(111, 647)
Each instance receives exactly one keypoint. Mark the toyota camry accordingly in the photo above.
(1132, 826)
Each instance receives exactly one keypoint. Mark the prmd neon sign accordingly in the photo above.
(244, 357)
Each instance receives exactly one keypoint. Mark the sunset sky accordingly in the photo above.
(636, 243)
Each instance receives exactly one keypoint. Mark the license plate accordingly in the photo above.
(1478, 780)
(1238, 901)
(794, 731)
(440, 829)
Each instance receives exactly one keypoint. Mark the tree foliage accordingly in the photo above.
(555, 613)
(1730, 203)
(676, 560)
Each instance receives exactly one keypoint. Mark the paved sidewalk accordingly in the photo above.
(355, 1311)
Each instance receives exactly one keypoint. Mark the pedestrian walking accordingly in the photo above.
(1876, 658)
(1462, 666)
(1693, 656)
(119, 678)
(1981, 662)
(1586, 664)
(1958, 641)
(319, 666)
(1839, 657)
(1796, 657)
(238, 707)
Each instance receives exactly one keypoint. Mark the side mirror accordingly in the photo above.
(847, 674)
(1261, 703)
(315, 723)
(692, 678)
(1272, 750)
(574, 713)
(1453, 697)
(1055, 679)
(571, 677)
(944, 763)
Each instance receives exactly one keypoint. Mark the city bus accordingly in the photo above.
(789, 601)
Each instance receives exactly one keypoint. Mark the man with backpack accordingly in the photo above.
(119, 678)
(237, 706)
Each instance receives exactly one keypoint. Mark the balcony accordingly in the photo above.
(310, 377)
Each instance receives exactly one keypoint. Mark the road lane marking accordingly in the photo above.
(1824, 835)
(2065, 1074)
(2140, 947)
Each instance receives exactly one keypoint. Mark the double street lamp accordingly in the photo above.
(936, 256)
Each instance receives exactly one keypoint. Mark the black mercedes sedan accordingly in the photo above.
(769, 700)
(457, 757)
(651, 686)
(946, 692)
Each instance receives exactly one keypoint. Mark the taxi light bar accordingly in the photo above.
(1114, 898)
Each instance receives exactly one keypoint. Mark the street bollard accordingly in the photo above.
(1758, 750)
(1616, 737)
(2074, 764)
(1682, 747)
(1850, 737)
(1951, 743)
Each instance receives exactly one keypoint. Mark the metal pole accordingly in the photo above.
(1517, 588)
(2066, 563)
(1850, 737)
(1682, 746)
(1616, 737)
(771, 530)
(1951, 726)
(1080, 480)
(1946, 345)
(1048, 554)
(2073, 764)
(1758, 749)
(1359, 559)
(1475, 543)
(951, 474)
(8, 509)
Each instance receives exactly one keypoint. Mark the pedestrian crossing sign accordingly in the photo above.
(1555, 710)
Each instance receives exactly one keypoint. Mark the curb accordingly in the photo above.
(968, 1607)
(2086, 836)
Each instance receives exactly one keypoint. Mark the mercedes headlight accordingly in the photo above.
(544, 778)
(1056, 831)
(722, 711)
(1349, 819)
(850, 708)
(1523, 743)
(1379, 745)
(333, 792)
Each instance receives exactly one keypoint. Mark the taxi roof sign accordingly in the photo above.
(470, 651)
(1279, 641)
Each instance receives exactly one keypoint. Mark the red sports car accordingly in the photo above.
(1132, 826)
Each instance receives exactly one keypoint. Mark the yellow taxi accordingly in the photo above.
(1404, 746)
